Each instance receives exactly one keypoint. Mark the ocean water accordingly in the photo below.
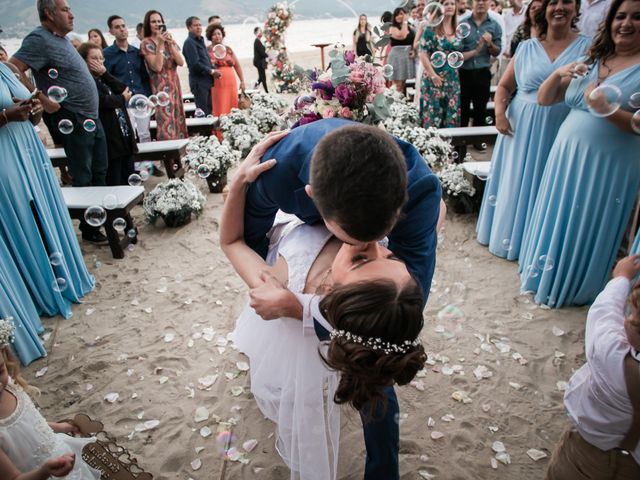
(299, 37)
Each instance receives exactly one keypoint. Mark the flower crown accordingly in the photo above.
(375, 343)
(7, 332)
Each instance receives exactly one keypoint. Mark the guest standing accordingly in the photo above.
(440, 86)
(201, 72)
(483, 42)
(527, 130)
(513, 18)
(225, 91)
(401, 54)
(260, 59)
(162, 57)
(97, 38)
(592, 176)
(593, 14)
(35, 226)
(363, 37)
(137, 40)
(528, 29)
(49, 54)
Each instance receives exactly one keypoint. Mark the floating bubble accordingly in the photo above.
(433, 14)
(492, 200)
(209, 116)
(65, 126)
(163, 99)
(153, 100)
(57, 94)
(545, 263)
(187, 101)
(53, 73)
(59, 285)
(438, 59)
(634, 100)
(199, 113)
(95, 216)
(135, 180)
(110, 201)
(203, 171)
(387, 71)
(119, 224)
(581, 69)
(144, 175)
(219, 51)
(506, 244)
(225, 441)
(55, 259)
(140, 106)
(89, 125)
(488, 120)
(132, 233)
(455, 59)
(604, 100)
(455, 155)
(483, 146)
(463, 30)
(532, 271)
(635, 122)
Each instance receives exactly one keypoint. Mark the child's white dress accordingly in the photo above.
(28, 441)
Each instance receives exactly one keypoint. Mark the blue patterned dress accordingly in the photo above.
(518, 160)
(584, 202)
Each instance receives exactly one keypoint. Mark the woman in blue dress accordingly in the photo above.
(527, 130)
(35, 226)
(592, 176)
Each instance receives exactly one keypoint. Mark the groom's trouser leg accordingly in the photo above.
(382, 440)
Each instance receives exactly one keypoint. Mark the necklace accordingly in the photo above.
(601, 77)
(323, 287)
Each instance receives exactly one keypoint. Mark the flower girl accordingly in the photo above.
(31, 448)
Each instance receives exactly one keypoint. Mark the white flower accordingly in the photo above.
(173, 196)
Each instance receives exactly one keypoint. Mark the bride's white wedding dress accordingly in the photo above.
(290, 383)
(28, 441)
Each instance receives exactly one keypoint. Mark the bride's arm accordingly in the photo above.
(245, 261)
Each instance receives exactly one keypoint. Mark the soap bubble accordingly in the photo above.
(438, 59)
(455, 59)
(203, 171)
(634, 100)
(153, 100)
(455, 155)
(433, 14)
(387, 71)
(604, 100)
(135, 180)
(463, 30)
(635, 122)
(140, 106)
(144, 175)
(132, 233)
(488, 120)
(53, 73)
(545, 263)
(95, 216)
(225, 441)
(119, 224)
(56, 259)
(532, 271)
(65, 126)
(57, 94)
(89, 125)
(59, 285)
(219, 51)
(110, 201)
(581, 69)
(492, 200)
(506, 244)
(199, 113)
(163, 99)
(483, 146)
(151, 47)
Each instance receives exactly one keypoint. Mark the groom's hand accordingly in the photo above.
(251, 168)
(273, 300)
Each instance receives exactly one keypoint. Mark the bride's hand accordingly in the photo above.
(251, 168)
(273, 300)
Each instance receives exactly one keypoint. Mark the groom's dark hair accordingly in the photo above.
(359, 180)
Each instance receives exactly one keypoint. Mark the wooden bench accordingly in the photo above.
(195, 126)
(169, 152)
(78, 199)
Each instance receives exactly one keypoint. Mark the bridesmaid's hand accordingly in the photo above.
(19, 112)
(503, 126)
(568, 70)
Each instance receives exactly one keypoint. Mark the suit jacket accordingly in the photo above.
(110, 98)
(414, 237)
(198, 61)
(259, 54)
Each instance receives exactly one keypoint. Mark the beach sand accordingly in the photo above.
(158, 322)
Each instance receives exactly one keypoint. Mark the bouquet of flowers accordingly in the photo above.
(269, 101)
(174, 201)
(265, 118)
(350, 88)
(453, 182)
(209, 159)
(285, 77)
(239, 133)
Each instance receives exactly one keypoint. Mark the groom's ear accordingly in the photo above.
(307, 188)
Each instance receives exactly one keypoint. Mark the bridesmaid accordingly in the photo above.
(440, 85)
(162, 57)
(589, 185)
(527, 130)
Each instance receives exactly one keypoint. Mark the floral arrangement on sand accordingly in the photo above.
(207, 158)
(286, 77)
(453, 181)
(174, 200)
(239, 132)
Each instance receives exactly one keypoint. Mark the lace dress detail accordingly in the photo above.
(28, 441)
(291, 385)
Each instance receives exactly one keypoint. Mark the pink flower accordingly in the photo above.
(346, 113)
(329, 113)
(356, 76)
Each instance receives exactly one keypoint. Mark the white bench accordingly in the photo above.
(477, 169)
(195, 126)
(78, 199)
(461, 136)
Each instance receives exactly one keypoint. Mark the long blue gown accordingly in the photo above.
(518, 161)
(585, 200)
(35, 222)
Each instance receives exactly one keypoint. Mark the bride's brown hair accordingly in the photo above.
(373, 310)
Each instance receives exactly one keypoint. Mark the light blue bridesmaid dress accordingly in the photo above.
(518, 161)
(34, 221)
(585, 200)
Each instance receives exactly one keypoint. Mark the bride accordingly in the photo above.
(374, 308)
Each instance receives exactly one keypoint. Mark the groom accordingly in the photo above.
(352, 177)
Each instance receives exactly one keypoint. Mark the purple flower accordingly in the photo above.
(345, 94)
(349, 57)
(307, 118)
(324, 88)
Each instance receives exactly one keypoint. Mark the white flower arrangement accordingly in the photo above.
(7, 332)
(265, 118)
(453, 182)
(239, 133)
(175, 196)
(210, 152)
(267, 100)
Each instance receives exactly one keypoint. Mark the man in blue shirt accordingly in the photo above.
(201, 72)
(483, 42)
(124, 62)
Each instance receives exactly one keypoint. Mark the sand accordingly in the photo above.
(140, 335)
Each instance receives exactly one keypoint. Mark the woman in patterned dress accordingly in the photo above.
(440, 88)
(162, 57)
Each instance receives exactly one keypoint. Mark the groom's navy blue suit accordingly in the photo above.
(413, 240)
